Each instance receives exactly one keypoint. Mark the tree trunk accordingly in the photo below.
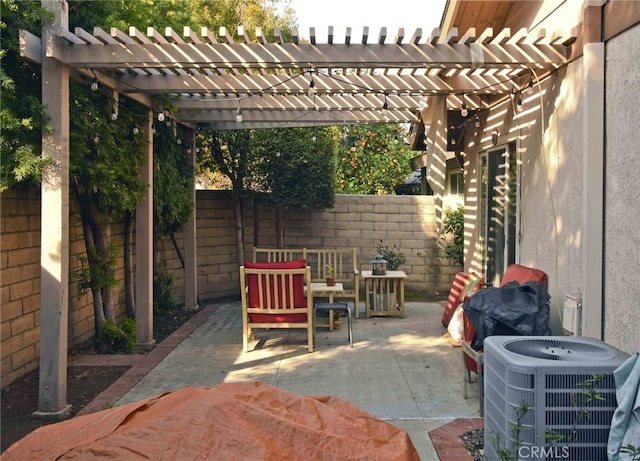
(237, 203)
(97, 235)
(129, 289)
(279, 228)
(98, 313)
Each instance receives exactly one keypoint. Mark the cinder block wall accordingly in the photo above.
(359, 221)
(20, 283)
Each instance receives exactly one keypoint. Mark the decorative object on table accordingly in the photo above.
(330, 275)
(378, 265)
(395, 258)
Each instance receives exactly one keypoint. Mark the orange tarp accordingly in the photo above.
(247, 421)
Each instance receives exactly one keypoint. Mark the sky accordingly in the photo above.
(410, 14)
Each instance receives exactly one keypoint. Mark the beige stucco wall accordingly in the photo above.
(551, 207)
(622, 193)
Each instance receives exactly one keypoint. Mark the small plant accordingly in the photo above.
(433, 266)
(329, 271)
(394, 257)
(163, 298)
(631, 450)
(330, 274)
(453, 224)
(117, 337)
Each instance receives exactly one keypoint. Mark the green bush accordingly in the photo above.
(453, 224)
(117, 337)
(394, 257)
(163, 298)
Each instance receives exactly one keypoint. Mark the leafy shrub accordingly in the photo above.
(453, 225)
(117, 337)
(394, 257)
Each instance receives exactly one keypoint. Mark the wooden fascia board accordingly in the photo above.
(30, 46)
(620, 15)
(294, 102)
(302, 56)
(312, 117)
(284, 84)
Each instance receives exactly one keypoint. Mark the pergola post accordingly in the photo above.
(144, 248)
(54, 248)
(190, 249)
(593, 190)
(437, 165)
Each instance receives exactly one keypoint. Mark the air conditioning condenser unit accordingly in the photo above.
(549, 397)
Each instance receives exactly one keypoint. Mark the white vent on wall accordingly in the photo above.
(553, 377)
(572, 314)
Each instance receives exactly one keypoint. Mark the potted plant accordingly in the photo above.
(330, 275)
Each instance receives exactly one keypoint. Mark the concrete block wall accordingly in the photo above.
(20, 283)
(355, 221)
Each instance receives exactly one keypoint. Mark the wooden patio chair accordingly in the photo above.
(273, 296)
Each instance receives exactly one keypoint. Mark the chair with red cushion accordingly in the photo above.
(472, 359)
(273, 296)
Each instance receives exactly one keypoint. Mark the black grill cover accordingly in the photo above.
(511, 309)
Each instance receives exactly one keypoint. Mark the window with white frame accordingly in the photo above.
(455, 183)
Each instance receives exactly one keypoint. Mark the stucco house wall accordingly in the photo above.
(548, 134)
(622, 193)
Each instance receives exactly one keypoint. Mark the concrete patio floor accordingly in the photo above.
(404, 371)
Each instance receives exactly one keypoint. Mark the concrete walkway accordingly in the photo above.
(403, 371)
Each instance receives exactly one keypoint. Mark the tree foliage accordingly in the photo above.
(173, 178)
(21, 114)
(296, 166)
(372, 160)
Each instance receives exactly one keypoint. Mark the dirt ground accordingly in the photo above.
(20, 399)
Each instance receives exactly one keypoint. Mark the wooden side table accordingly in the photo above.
(384, 294)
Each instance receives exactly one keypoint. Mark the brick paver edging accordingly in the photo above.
(143, 366)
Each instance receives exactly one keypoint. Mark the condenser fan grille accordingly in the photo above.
(554, 349)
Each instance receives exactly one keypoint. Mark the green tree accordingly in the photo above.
(372, 159)
(21, 114)
(227, 152)
(105, 157)
(296, 166)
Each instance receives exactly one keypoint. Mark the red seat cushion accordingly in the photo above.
(299, 298)
(523, 274)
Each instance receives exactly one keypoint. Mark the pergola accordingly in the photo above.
(202, 77)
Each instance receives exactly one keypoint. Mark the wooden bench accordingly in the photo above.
(343, 261)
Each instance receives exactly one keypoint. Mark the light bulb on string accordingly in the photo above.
(161, 115)
(94, 84)
(463, 110)
(238, 113)
(519, 101)
(114, 113)
(135, 129)
(385, 106)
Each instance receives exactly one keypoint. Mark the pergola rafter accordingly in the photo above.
(204, 78)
